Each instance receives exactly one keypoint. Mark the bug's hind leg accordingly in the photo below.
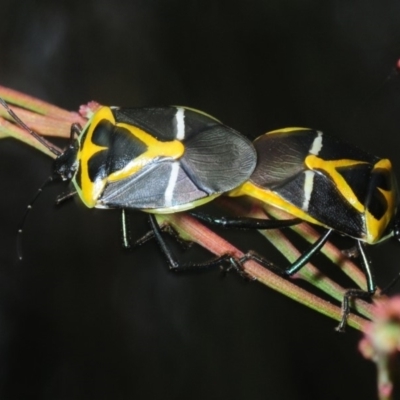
(358, 293)
(294, 267)
(349, 295)
(305, 257)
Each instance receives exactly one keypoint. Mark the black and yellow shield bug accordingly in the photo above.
(157, 160)
(326, 182)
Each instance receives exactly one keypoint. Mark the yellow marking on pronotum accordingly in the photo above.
(91, 191)
(173, 149)
(376, 228)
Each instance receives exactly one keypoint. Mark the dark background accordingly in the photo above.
(81, 319)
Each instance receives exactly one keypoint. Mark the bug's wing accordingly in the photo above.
(219, 159)
(215, 160)
(160, 185)
(282, 170)
(280, 157)
(161, 122)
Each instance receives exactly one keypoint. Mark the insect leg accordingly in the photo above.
(126, 237)
(236, 223)
(305, 257)
(294, 267)
(65, 196)
(246, 222)
(358, 293)
(174, 265)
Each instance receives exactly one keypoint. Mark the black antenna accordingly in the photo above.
(29, 208)
(22, 124)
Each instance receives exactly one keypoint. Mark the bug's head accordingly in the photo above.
(66, 164)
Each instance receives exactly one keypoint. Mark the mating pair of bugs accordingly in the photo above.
(171, 159)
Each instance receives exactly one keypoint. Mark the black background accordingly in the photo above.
(79, 318)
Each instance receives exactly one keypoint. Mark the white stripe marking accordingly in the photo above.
(316, 145)
(171, 184)
(124, 231)
(308, 188)
(180, 123)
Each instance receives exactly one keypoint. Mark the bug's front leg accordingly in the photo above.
(226, 261)
(126, 237)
